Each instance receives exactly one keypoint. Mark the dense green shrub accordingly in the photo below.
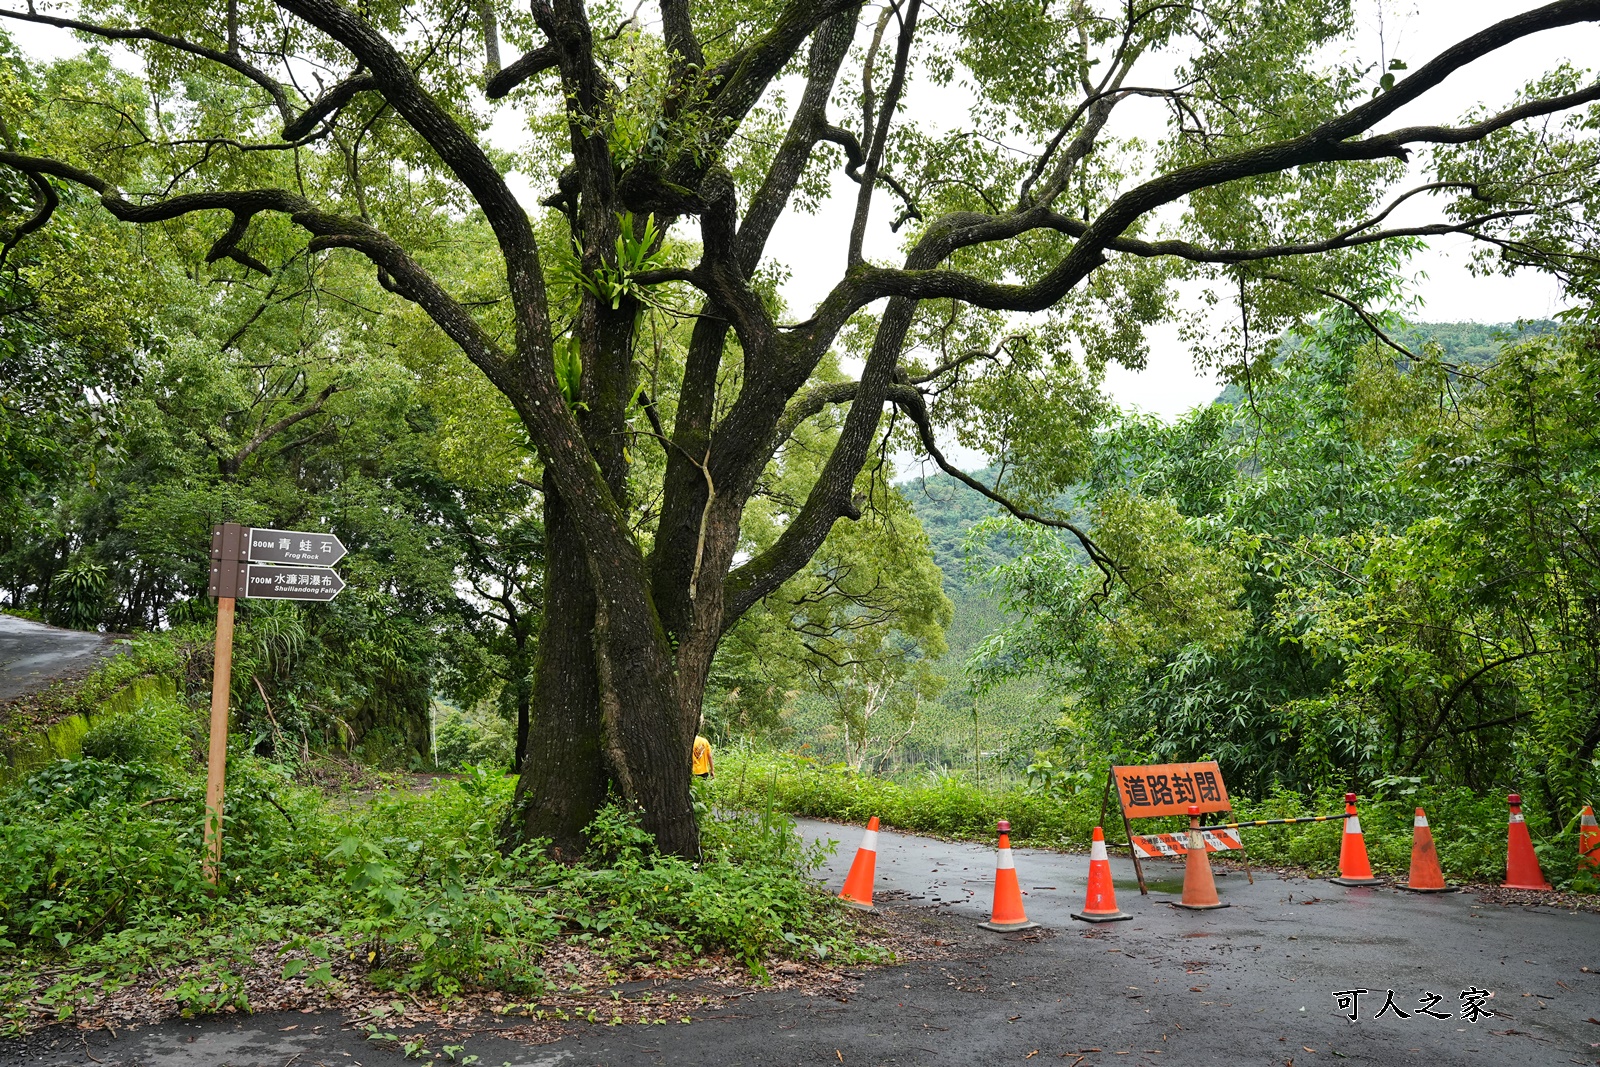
(946, 805)
(89, 846)
(100, 879)
(477, 736)
(143, 723)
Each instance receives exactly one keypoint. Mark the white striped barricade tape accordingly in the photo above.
(1155, 846)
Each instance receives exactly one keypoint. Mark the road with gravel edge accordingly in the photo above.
(33, 655)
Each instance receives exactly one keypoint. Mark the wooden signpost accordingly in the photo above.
(251, 562)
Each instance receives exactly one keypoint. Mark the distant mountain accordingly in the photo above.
(1460, 342)
(947, 510)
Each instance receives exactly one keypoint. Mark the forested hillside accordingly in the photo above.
(1466, 343)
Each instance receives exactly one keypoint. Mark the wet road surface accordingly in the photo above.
(32, 655)
(1250, 984)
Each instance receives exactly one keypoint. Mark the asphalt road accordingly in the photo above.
(32, 655)
(1250, 984)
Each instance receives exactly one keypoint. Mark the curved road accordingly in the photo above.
(32, 655)
(1254, 983)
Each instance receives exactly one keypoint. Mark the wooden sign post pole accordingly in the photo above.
(250, 562)
(229, 580)
(217, 763)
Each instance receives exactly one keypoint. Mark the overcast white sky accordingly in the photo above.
(1414, 31)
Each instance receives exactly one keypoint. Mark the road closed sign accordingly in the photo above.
(1169, 789)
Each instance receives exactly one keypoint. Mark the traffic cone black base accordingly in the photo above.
(1413, 889)
(1006, 928)
(1118, 917)
(1364, 881)
(1198, 907)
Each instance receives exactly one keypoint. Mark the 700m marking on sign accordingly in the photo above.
(292, 583)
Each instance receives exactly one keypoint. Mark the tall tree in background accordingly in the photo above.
(364, 128)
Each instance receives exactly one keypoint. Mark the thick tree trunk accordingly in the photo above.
(609, 711)
(564, 778)
(606, 713)
(647, 749)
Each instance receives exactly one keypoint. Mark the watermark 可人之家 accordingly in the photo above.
(1474, 1005)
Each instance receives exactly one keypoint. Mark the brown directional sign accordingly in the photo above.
(305, 548)
(283, 569)
(277, 582)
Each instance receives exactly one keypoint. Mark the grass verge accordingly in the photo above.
(405, 893)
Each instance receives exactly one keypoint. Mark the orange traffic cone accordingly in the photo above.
(1588, 839)
(857, 891)
(1353, 866)
(1008, 914)
(1100, 905)
(1426, 874)
(1522, 866)
(1199, 888)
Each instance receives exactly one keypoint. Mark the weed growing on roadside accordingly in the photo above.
(100, 885)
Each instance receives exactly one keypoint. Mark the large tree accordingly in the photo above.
(367, 128)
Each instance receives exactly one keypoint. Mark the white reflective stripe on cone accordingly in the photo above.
(1517, 817)
(1097, 851)
(1588, 820)
(1005, 860)
(1420, 820)
(1352, 825)
(1196, 841)
(869, 841)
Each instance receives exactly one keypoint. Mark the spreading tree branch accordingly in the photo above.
(231, 464)
(911, 402)
(529, 65)
(230, 59)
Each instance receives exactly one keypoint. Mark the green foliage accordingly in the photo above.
(100, 880)
(569, 373)
(464, 737)
(156, 730)
(94, 847)
(1369, 568)
(304, 400)
(944, 804)
(616, 281)
(851, 641)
